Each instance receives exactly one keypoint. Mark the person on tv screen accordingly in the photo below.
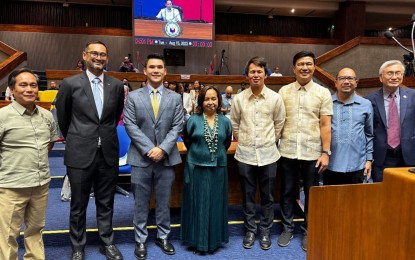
(169, 14)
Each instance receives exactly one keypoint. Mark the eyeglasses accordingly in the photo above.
(391, 73)
(302, 64)
(95, 54)
(350, 79)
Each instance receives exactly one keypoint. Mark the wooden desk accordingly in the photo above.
(45, 105)
(153, 28)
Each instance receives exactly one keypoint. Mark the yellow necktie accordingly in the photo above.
(155, 103)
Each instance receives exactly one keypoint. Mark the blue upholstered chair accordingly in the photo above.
(124, 143)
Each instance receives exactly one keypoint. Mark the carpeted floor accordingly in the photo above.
(57, 244)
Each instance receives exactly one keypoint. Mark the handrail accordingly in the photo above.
(329, 79)
(13, 61)
(209, 79)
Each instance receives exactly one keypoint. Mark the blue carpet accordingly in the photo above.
(57, 244)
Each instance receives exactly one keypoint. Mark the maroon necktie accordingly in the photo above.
(393, 123)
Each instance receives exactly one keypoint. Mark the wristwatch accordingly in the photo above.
(328, 152)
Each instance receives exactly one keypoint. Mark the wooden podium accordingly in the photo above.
(364, 221)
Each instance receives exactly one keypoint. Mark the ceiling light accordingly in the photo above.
(390, 29)
(292, 10)
(270, 17)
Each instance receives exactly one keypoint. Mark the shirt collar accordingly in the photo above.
(263, 92)
(21, 109)
(353, 99)
(387, 93)
(159, 89)
(92, 76)
(307, 86)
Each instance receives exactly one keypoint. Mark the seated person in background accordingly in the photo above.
(169, 14)
(53, 86)
(194, 94)
(227, 101)
(125, 82)
(173, 86)
(166, 84)
(8, 95)
(187, 101)
(187, 86)
(276, 72)
(243, 87)
(80, 65)
(127, 66)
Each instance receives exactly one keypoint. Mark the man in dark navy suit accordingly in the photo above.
(89, 106)
(394, 121)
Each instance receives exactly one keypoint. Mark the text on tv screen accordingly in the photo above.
(184, 23)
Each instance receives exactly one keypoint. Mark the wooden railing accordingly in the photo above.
(208, 79)
(329, 79)
(124, 32)
(13, 61)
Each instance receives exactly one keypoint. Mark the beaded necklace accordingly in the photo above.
(211, 137)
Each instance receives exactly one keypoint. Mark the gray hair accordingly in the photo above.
(391, 63)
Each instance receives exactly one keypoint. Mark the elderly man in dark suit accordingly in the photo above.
(153, 118)
(89, 106)
(394, 121)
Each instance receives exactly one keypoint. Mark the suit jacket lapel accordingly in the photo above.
(403, 103)
(145, 98)
(165, 99)
(381, 106)
(88, 91)
(107, 84)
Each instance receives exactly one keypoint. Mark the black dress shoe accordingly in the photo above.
(140, 251)
(165, 246)
(265, 242)
(249, 240)
(111, 252)
(78, 255)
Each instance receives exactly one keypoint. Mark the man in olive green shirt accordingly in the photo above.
(27, 132)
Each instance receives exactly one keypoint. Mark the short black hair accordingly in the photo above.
(303, 54)
(95, 42)
(11, 81)
(257, 61)
(157, 56)
(202, 96)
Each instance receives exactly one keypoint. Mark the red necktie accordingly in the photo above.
(393, 123)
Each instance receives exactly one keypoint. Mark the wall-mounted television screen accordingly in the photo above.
(183, 23)
(175, 57)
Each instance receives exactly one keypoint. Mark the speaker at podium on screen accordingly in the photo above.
(179, 23)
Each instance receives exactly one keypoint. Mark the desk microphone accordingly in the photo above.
(390, 36)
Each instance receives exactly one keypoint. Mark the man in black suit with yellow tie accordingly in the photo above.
(89, 106)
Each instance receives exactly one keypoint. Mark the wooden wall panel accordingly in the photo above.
(61, 51)
(364, 59)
